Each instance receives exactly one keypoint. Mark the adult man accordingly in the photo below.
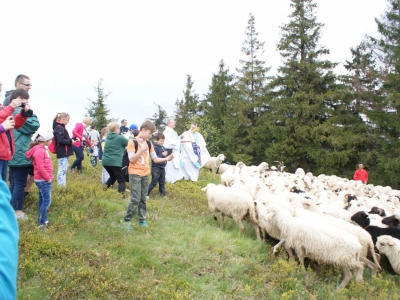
(123, 129)
(22, 81)
(173, 171)
(194, 152)
(361, 174)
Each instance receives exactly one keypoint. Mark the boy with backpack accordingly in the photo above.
(139, 171)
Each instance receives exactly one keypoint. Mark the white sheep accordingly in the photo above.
(322, 243)
(390, 247)
(223, 167)
(234, 203)
(213, 163)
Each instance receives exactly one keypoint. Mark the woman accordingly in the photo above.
(80, 133)
(114, 148)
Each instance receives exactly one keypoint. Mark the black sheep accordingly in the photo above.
(362, 219)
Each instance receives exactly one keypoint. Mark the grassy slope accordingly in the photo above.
(183, 254)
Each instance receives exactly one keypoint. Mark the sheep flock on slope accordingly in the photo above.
(327, 219)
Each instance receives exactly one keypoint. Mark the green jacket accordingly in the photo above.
(22, 138)
(114, 148)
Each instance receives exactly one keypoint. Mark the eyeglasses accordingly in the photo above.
(25, 84)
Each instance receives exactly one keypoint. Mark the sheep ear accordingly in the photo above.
(346, 197)
(204, 189)
(306, 204)
(347, 204)
(255, 203)
(390, 244)
(270, 216)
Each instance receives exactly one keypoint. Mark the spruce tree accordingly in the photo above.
(247, 102)
(386, 117)
(308, 124)
(159, 118)
(215, 107)
(98, 110)
(187, 107)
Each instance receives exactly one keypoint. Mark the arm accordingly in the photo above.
(31, 126)
(77, 131)
(356, 176)
(157, 159)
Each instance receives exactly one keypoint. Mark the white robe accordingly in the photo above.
(192, 163)
(173, 169)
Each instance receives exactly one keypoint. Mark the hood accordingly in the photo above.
(112, 135)
(55, 123)
(30, 152)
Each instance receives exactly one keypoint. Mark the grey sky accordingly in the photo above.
(144, 49)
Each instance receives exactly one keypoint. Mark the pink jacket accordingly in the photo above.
(42, 165)
(78, 132)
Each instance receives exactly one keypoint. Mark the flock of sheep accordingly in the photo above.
(327, 219)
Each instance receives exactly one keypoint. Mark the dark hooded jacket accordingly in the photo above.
(63, 141)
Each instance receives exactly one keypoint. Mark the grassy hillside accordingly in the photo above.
(183, 254)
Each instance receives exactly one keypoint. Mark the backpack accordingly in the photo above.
(125, 160)
(53, 145)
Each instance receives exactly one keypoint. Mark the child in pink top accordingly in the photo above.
(43, 172)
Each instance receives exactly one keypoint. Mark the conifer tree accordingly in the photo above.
(98, 110)
(308, 124)
(159, 118)
(247, 102)
(215, 107)
(187, 107)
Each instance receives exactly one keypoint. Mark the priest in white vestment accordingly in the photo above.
(194, 152)
(173, 169)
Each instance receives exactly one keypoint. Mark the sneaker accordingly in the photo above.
(147, 197)
(164, 196)
(44, 225)
(72, 171)
(126, 225)
(22, 216)
(142, 223)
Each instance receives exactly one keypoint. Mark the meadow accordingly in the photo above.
(182, 254)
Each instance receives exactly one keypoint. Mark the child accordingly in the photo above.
(158, 170)
(139, 173)
(94, 153)
(104, 174)
(43, 172)
(63, 146)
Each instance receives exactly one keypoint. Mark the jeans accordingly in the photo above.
(3, 169)
(157, 176)
(18, 180)
(62, 171)
(93, 160)
(79, 157)
(138, 187)
(115, 175)
(100, 152)
(44, 200)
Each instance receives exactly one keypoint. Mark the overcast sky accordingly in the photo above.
(143, 50)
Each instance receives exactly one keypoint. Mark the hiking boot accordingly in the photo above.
(143, 223)
(44, 225)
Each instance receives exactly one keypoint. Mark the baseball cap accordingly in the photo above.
(133, 127)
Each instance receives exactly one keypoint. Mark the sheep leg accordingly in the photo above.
(240, 224)
(371, 265)
(376, 257)
(277, 246)
(221, 224)
(346, 277)
(290, 252)
(359, 272)
(257, 229)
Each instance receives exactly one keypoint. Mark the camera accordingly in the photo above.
(22, 104)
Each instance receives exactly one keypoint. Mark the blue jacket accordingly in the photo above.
(9, 236)
(159, 150)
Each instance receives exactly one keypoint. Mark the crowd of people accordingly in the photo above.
(24, 160)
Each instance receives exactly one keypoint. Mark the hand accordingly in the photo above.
(165, 153)
(9, 123)
(83, 139)
(170, 157)
(16, 102)
(143, 145)
(27, 107)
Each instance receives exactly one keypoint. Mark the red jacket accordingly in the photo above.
(7, 151)
(361, 175)
(42, 165)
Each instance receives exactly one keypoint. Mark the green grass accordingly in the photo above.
(183, 254)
